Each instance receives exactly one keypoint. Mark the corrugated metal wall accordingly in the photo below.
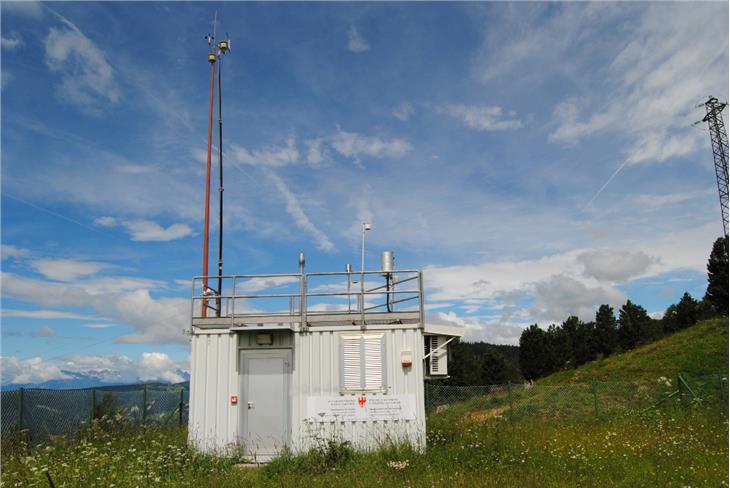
(317, 373)
(213, 421)
(213, 424)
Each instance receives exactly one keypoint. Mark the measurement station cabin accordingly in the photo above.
(296, 359)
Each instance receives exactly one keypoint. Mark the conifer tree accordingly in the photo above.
(687, 311)
(534, 353)
(717, 277)
(606, 333)
(634, 326)
(494, 367)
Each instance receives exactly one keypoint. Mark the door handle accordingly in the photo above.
(250, 405)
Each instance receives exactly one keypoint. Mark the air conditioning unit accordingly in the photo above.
(437, 364)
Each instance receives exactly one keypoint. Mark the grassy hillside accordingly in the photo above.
(697, 351)
(545, 435)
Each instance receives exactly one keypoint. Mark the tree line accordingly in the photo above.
(481, 363)
(575, 342)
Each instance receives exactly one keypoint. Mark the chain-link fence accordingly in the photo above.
(37, 414)
(595, 399)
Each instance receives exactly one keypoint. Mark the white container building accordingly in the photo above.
(294, 360)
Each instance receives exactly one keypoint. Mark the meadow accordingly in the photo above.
(665, 447)
(550, 434)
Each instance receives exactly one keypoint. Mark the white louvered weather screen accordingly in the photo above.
(434, 358)
(362, 362)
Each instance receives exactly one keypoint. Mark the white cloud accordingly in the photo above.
(147, 230)
(485, 118)
(570, 129)
(34, 370)
(480, 329)
(259, 284)
(44, 331)
(123, 300)
(106, 221)
(87, 79)
(157, 366)
(151, 366)
(84, 164)
(550, 288)
(669, 59)
(46, 314)
(314, 151)
(26, 8)
(294, 209)
(615, 266)
(436, 306)
(355, 42)
(486, 281)
(539, 36)
(105, 325)
(661, 145)
(10, 251)
(354, 145)
(669, 199)
(348, 144)
(687, 248)
(561, 296)
(403, 111)
(118, 284)
(272, 156)
(66, 269)
(11, 42)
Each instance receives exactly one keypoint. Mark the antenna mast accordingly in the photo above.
(223, 47)
(718, 137)
(212, 57)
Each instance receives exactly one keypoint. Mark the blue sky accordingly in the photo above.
(477, 138)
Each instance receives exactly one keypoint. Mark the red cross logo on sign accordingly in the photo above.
(361, 401)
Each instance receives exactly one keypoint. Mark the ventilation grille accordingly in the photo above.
(437, 361)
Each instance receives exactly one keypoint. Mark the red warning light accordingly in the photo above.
(234, 399)
(361, 401)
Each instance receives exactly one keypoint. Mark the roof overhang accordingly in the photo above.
(443, 330)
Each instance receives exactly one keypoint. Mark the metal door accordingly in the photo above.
(265, 395)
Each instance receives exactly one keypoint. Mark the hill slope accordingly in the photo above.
(696, 351)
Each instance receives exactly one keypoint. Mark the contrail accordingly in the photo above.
(606, 183)
(55, 214)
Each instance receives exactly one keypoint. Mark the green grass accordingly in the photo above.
(669, 447)
(550, 438)
(699, 350)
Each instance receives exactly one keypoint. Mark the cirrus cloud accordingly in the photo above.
(356, 43)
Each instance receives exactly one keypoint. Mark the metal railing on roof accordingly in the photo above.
(296, 297)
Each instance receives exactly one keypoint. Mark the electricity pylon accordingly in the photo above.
(718, 137)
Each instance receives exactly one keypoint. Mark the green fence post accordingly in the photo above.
(509, 395)
(180, 414)
(93, 405)
(144, 404)
(20, 409)
(595, 397)
(679, 389)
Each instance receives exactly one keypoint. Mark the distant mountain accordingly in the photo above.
(92, 379)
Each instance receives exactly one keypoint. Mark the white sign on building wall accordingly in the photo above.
(362, 408)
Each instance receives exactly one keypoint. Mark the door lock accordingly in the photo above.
(250, 405)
